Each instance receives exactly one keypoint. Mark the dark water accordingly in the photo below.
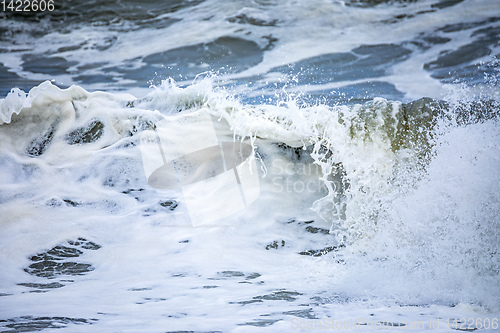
(451, 41)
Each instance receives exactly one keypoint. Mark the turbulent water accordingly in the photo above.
(241, 166)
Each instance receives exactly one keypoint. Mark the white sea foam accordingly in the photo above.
(416, 232)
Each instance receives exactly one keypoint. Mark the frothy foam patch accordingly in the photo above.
(404, 207)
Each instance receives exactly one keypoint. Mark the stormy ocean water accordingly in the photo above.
(243, 166)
